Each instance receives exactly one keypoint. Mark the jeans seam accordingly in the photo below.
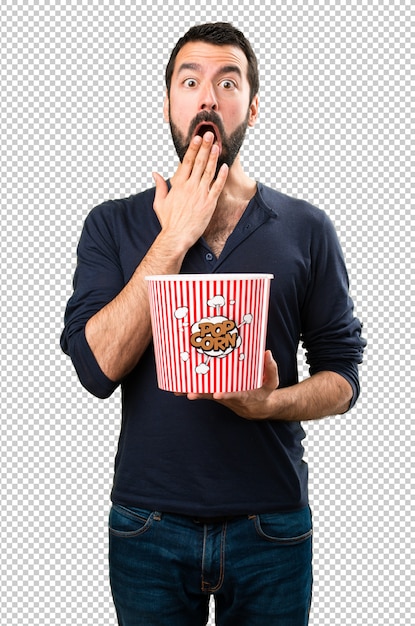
(283, 541)
(126, 534)
(206, 586)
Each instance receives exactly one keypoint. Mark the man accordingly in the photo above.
(210, 496)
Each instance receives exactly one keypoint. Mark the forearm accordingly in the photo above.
(120, 332)
(325, 393)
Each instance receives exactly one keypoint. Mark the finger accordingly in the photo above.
(185, 168)
(219, 183)
(200, 396)
(208, 153)
(209, 171)
(270, 379)
(223, 396)
(161, 189)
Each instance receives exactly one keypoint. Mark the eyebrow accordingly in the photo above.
(225, 69)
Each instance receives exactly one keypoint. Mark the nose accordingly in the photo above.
(208, 100)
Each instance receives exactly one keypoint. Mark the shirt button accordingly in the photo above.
(209, 256)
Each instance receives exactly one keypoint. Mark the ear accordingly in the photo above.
(166, 108)
(253, 111)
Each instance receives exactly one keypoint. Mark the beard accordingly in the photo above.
(231, 144)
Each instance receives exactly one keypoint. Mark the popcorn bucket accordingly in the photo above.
(209, 330)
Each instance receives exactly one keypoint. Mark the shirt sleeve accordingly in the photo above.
(331, 333)
(98, 279)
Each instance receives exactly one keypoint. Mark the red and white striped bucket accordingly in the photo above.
(209, 330)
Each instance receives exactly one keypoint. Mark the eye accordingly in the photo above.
(190, 82)
(228, 84)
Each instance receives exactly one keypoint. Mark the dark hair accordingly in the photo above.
(218, 34)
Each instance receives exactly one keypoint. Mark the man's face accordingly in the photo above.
(210, 91)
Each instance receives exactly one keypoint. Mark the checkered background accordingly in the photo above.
(81, 122)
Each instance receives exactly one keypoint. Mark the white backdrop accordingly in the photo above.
(81, 121)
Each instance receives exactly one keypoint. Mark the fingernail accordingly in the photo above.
(197, 139)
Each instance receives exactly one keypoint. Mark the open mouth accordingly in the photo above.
(204, 127)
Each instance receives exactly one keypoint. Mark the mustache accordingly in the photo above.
(205, 117)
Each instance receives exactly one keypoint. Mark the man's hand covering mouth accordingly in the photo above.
(204, 127)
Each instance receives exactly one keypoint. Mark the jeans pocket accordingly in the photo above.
(287, 529)
(129, 522)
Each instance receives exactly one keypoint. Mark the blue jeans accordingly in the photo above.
(164, 568)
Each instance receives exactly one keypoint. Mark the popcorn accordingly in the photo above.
(203, 351)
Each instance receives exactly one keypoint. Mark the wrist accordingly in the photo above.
(173, 245)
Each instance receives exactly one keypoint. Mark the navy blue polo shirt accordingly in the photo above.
(199, 458)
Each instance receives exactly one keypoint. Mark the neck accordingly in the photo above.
(235, 196)
(238, 189)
